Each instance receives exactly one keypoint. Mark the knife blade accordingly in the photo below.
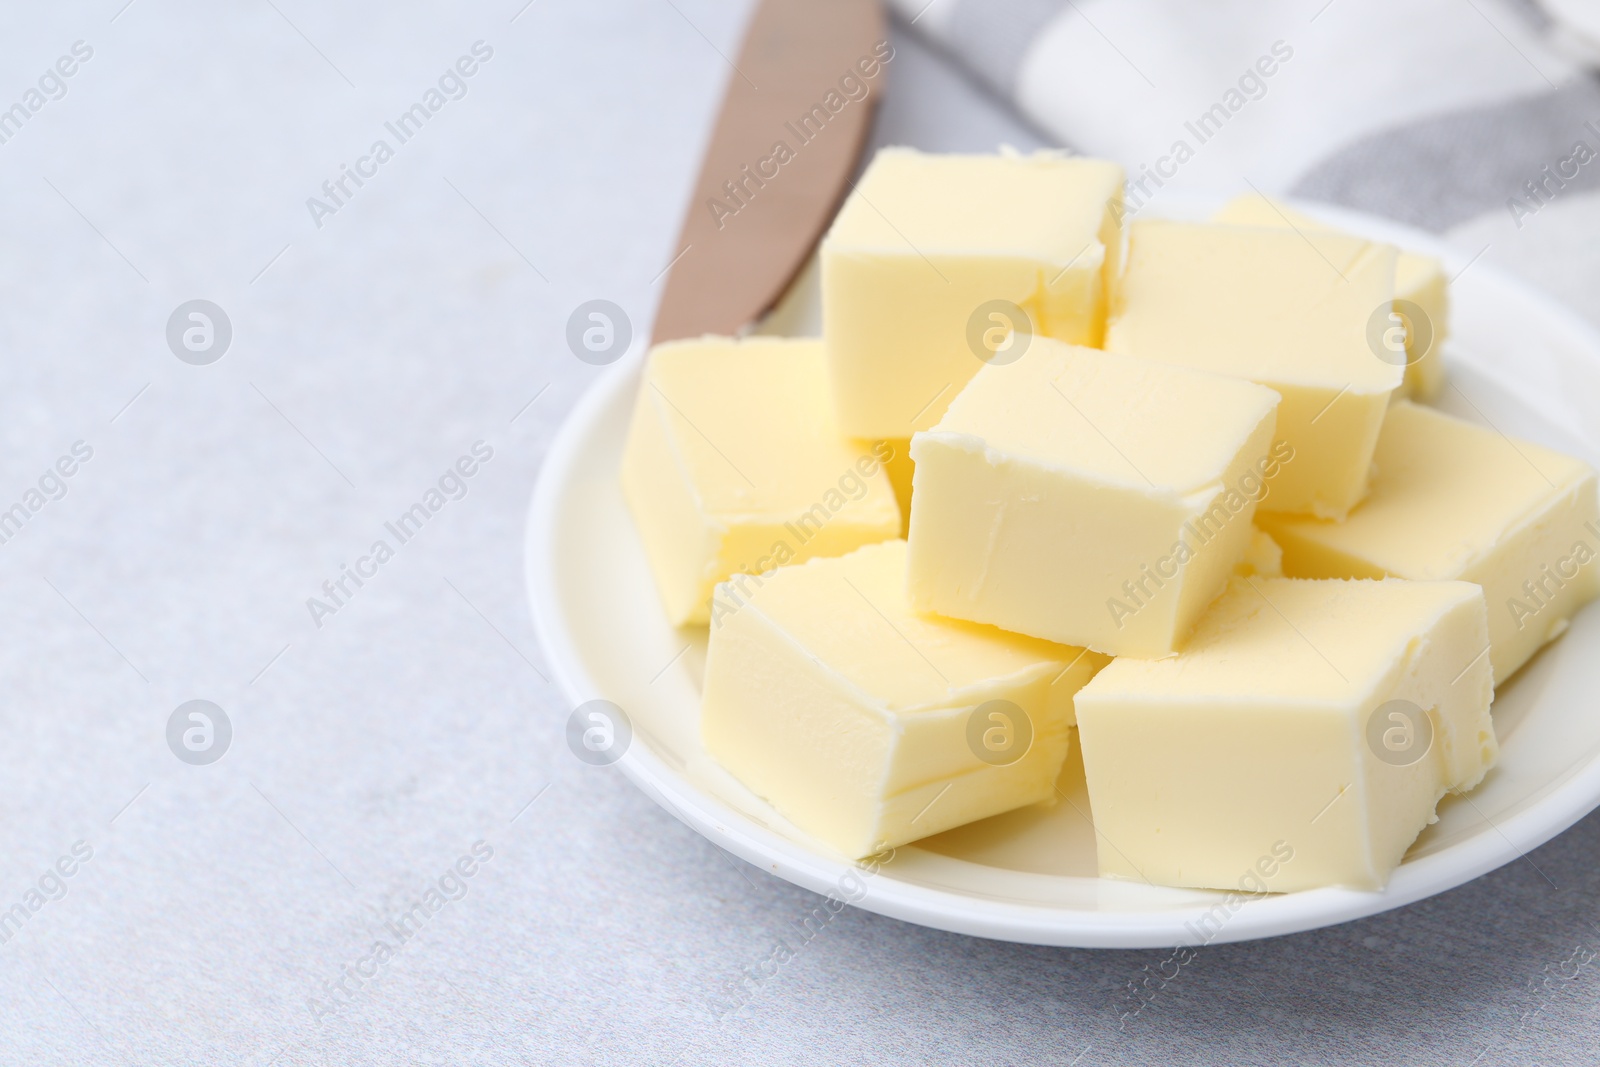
(757, 210)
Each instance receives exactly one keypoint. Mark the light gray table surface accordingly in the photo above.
(221, 903)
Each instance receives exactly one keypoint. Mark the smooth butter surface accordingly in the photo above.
(1451, 499)
(1256, 741)
(829, 696)
(1088, 498)
(924, 240)
(1285, 309)
(1419, 279)
(734, 464)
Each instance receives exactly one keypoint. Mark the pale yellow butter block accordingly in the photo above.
(897, 464)
(868, 725)
(924, 241)
(1451, 499)
(1422, 281)
(1263, 557)
(1088, 498)
(1419, 280)
(734, 464)
(1303, 738)
(1287, 310)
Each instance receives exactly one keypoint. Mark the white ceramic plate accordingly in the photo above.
(1517, 361)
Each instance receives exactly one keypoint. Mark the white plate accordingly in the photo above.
(1517, 361)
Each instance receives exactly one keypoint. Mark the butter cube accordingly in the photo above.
(922, 248)
(868, 725)
(1454, 500)
(1088, 498)
(1303, 738)
(899, 467)
(1287, 310)
(1263, 557)
(733, 464)
(1418, 280)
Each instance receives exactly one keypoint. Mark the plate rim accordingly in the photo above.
(1562, 805)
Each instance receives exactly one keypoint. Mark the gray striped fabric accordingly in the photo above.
(1443, 171)
(1435, 170)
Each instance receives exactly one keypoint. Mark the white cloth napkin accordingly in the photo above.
(1463, 117)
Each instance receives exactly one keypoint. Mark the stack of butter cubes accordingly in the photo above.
(1168, 493)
